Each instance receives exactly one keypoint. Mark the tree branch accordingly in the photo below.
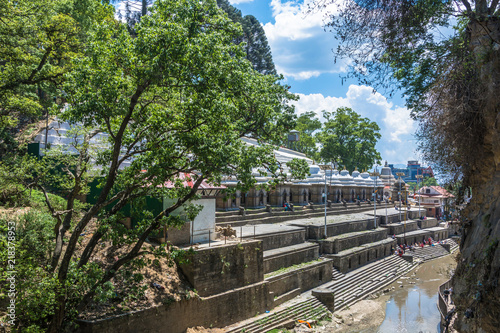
(111, 271)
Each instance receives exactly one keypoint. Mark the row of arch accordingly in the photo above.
(303, 197)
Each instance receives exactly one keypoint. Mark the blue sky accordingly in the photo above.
(302, 52)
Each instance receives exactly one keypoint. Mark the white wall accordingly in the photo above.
(204, 222)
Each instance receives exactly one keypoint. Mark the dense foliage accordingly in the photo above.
(256, 46)
(345, 138)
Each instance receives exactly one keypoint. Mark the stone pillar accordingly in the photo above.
(268, 209)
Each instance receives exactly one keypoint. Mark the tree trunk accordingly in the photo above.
(475, 283)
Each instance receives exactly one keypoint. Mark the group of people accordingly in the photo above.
(401, 249)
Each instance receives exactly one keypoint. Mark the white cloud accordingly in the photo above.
(301, 48)
(303, 75)
(396, 127)
(292, 22)
(318, 103)
(398, 119)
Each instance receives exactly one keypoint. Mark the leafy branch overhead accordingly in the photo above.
(175, 96)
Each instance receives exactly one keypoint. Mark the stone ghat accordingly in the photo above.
(396, 215)
(400, 228)
(316, 231)
(356, 257)
(336, 244)
(274, 238)
(289, 256)
(289, 283)
(428, 222)
(418, 236)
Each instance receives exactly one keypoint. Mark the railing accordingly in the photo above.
(442, 301)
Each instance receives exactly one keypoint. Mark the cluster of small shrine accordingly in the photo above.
(339, 186)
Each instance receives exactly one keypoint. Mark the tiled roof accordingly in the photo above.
(443, 192)
(188, 181)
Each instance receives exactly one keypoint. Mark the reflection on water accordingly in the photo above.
(413, 308)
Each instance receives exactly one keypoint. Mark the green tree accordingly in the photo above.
(176, 97)
(38, 39)
(450, 81)
(348, 139)
(307, 125)
(429, 181)
(257, 48)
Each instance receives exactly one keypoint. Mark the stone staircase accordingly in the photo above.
(453, 245)
(365, 280)
(348, 289)
(310, 310)
(428, 252)
(336, 274)
(431, 252)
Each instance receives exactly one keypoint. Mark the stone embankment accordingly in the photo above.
(271, 267)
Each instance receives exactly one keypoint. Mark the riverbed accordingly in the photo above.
(408, 305)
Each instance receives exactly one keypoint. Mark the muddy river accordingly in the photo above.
(408, 306)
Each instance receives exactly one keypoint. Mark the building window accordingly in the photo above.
(427, 191)
(243, 198)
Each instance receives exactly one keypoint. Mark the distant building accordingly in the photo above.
(412, 169)
(436, 200)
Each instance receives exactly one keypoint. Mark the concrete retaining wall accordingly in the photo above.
(301, 279)
(399, 228)
(429, 222)
(346, 262)
(317, 231)
(215, 311)
(217, 269)
(290, 258)
(283, 239)
(344, 242)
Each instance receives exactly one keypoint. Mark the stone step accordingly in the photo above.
(309, 310)
(357, 286)
(381, 268)
(400, 227)
(351, 298)
(283, 257)
(336, 274)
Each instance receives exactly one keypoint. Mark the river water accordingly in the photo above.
(413, 308)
